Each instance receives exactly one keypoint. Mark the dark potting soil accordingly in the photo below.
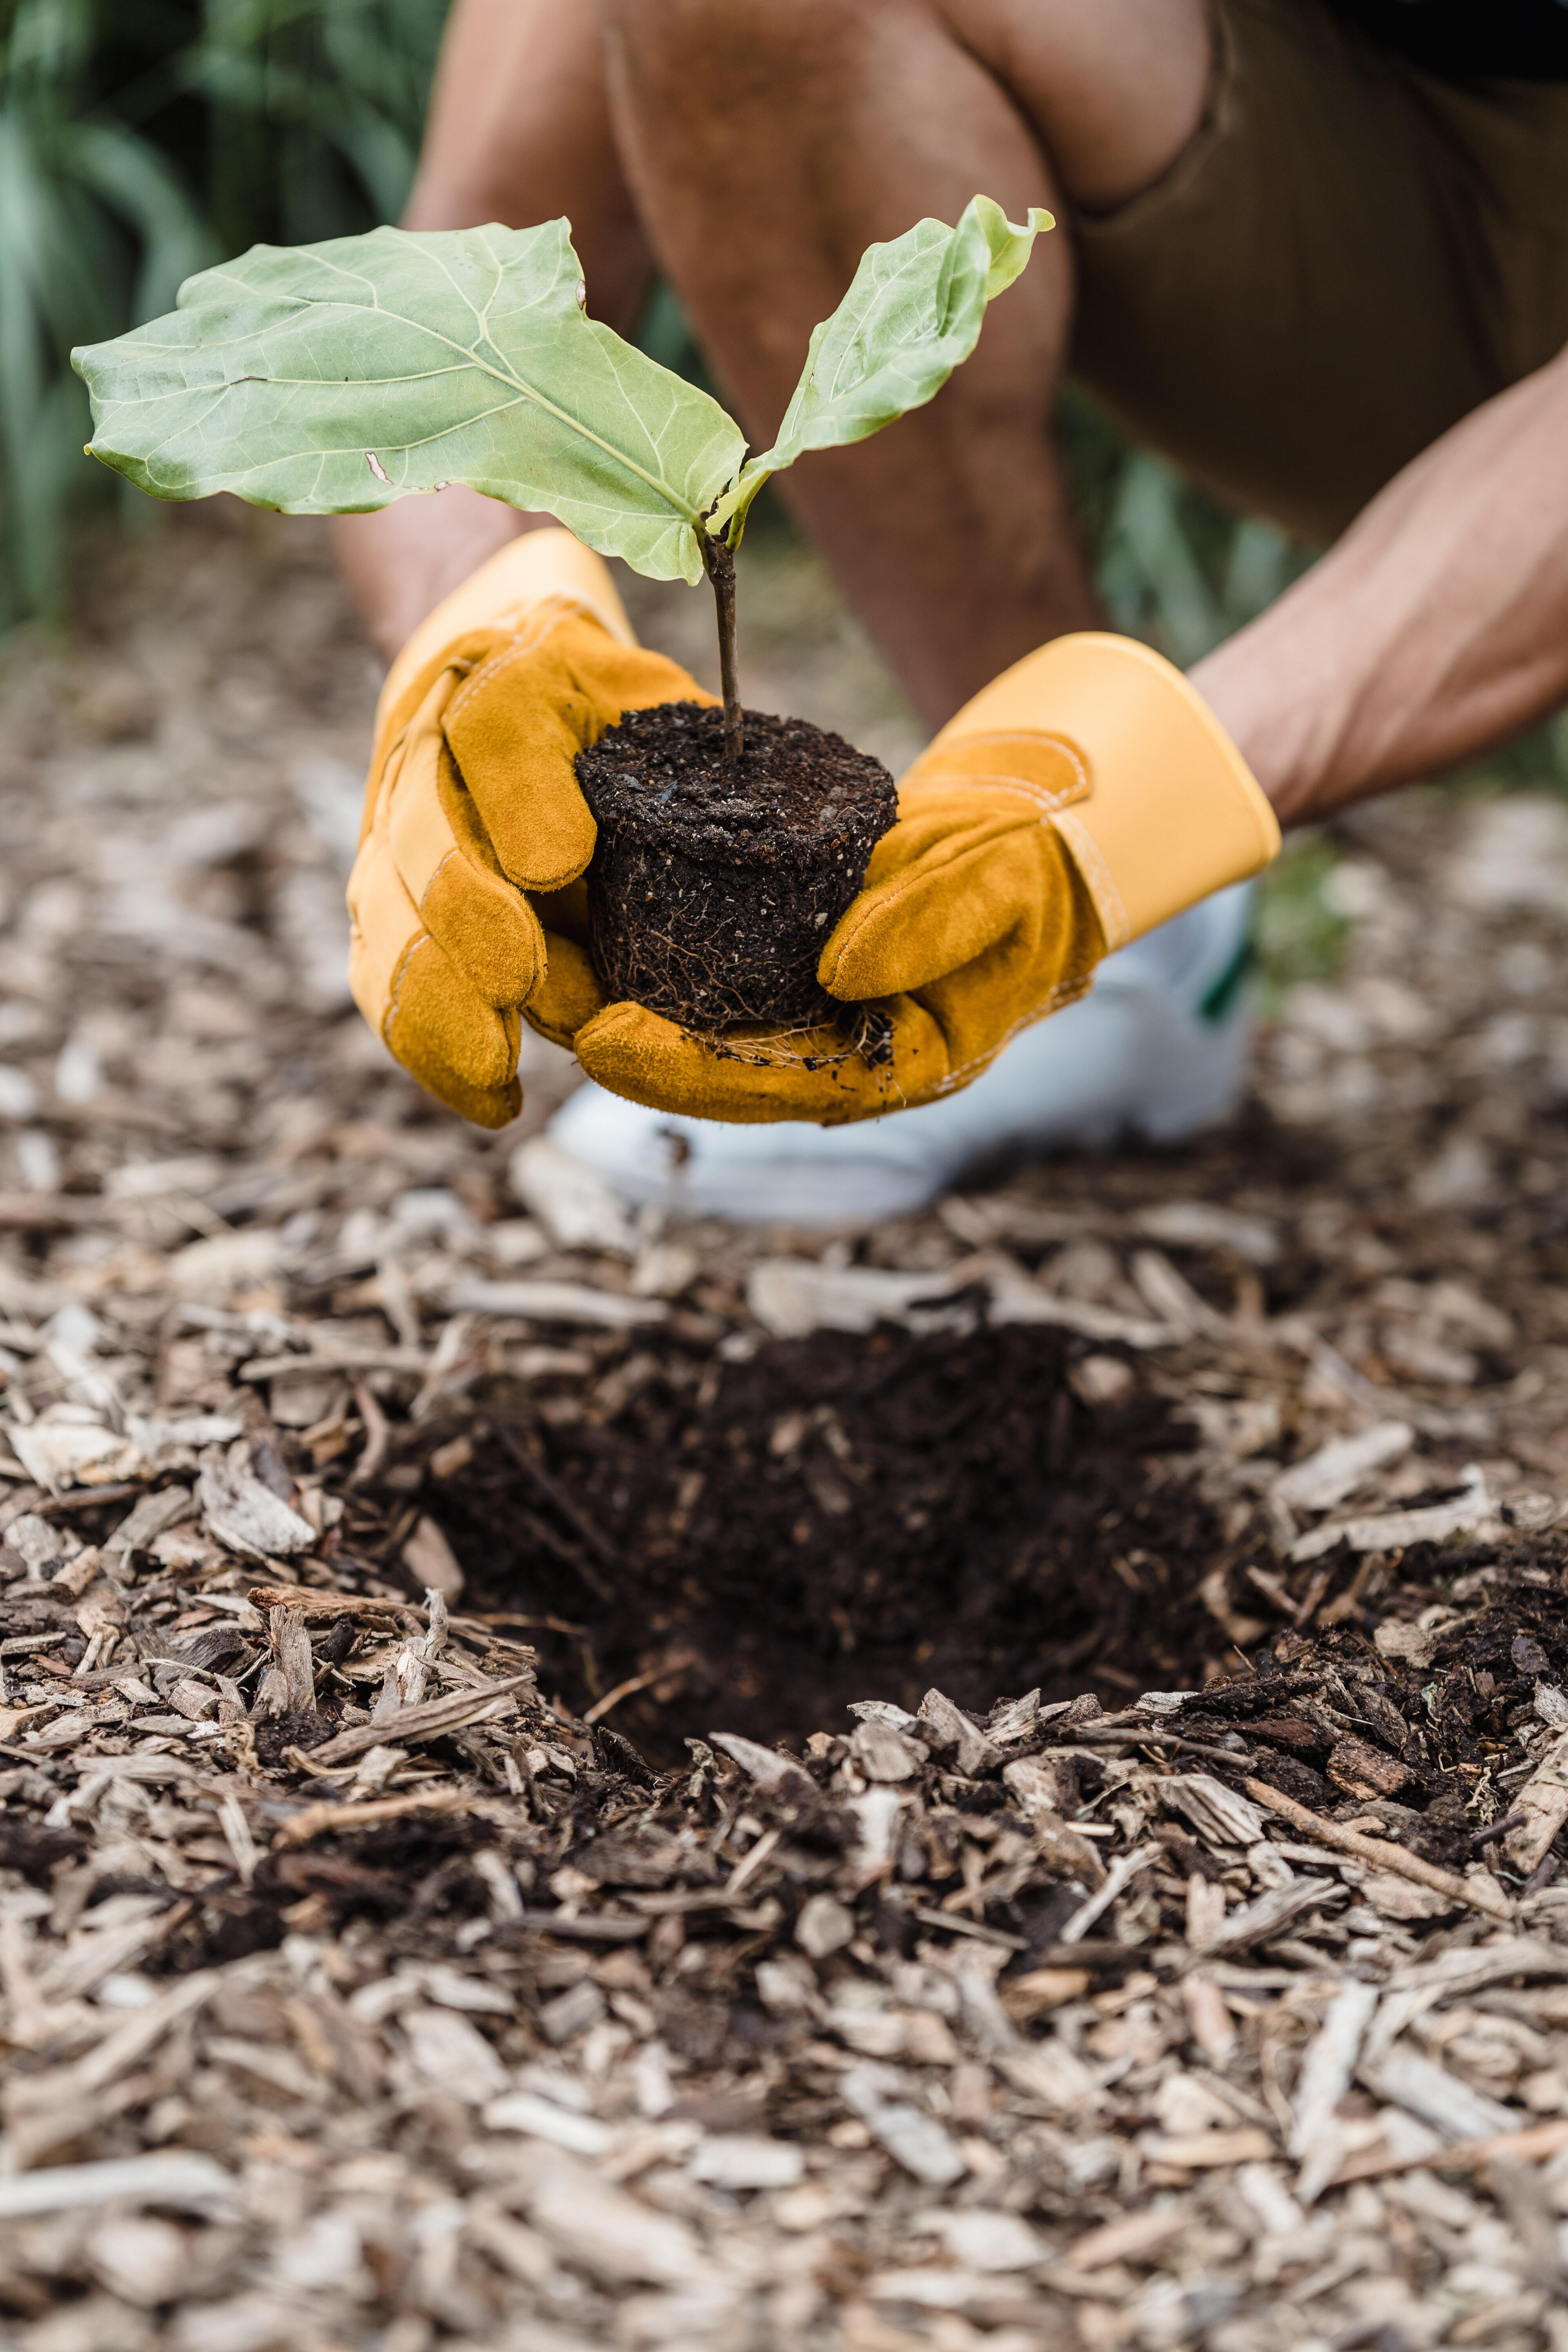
(840, 1518)
(845, 1517)
(715, 883)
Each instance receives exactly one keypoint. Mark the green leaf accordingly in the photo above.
(330, 378)
(912, 314)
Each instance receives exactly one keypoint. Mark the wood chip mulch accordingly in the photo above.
(509, 1832)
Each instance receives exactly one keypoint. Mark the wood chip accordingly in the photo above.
(552, 1302)
(775, 1773)
(1324, 1478)
(1437, 2098)
(428, 1721)
(1209, 2151)
(950, 1731)
(315, 1820)
(1327, 2069)
(1383, 1855)
(1125, 2239)
(1216, 1812)
(1392, 1530)
(173, 2177)
(1269, 1913)
(1543, 1804)
(327, 1605)
(292, 1650)
(1530, 2146)
(248, 1516)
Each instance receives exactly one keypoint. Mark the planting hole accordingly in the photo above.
(838, 1519)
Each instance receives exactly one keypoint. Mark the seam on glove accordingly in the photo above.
(427, 940)
(547, 618)
(1038, 795)
(378, 784)
(1099, 880)
(1041, 794)
(395, 983)
(1062, 993)
(441, 863)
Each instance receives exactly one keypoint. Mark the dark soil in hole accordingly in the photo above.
(410, 1877)
(715, 883)
(843, 1519)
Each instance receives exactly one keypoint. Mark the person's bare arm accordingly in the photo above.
(1436, 628)
(519, 132)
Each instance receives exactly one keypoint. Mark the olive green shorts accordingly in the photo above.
(1348, 257)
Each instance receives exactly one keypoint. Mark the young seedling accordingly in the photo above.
(332, 378)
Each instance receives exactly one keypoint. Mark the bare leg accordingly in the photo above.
(519, 132)
(769, 142)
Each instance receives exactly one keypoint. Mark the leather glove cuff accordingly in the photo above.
(1165, 810)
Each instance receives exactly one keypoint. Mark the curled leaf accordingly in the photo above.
(912, 314)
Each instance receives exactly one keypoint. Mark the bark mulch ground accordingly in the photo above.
(574, 1781)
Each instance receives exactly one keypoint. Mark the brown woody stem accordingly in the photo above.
(720, 562)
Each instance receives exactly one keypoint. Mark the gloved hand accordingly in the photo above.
(460, 901)
(1084, 796)
(1080, 799)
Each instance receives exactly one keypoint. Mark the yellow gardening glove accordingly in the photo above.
(474, 825)
(1084, 796)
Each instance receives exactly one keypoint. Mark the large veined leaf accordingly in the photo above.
(333, 378)
(912, 314)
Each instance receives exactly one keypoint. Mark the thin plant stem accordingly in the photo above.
(720, 562)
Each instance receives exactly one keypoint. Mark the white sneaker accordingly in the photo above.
(1157, 1049)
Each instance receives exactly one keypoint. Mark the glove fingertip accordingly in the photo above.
(484, 1106)
(860, 959)
(488, 932)
(568, 997)
(495, 1109)
(460, 1049)
(622, 1047)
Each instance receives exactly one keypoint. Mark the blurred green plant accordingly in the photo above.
(1298, 932)
(140, 140)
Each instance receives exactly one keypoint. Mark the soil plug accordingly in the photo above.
(716, 882)
(335, 378)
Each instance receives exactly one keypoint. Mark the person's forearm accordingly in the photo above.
(519, 132)
(1437, 627)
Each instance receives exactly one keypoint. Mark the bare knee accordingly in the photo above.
(1113, 90)
(1110, 90)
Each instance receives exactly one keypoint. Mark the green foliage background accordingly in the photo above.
(140, 140)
